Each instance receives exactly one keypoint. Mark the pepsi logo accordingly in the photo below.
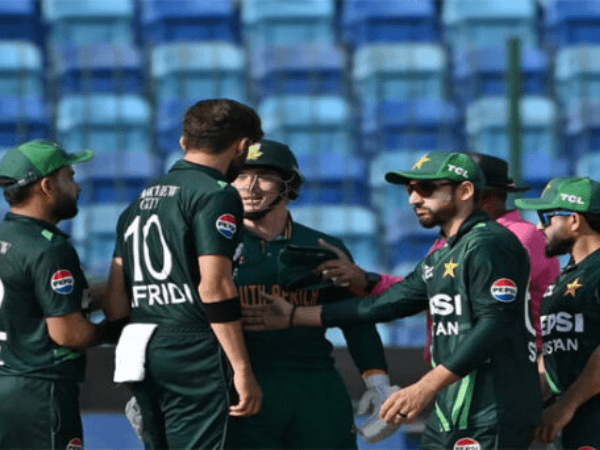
(586, 447)
(467, 444)
(226, 225)
(62, 282)
(504, 290)
(75, 444)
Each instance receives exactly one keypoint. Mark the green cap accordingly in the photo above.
(441, 165)
(36, 159)
(296, 267)
(570, 193)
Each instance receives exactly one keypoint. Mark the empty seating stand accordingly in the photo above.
(570, 22)
(19, 20)
(583, 129)
(22, 119)
(21, 69)
(577, 74)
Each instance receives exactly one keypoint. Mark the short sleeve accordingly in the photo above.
(218, 224)
(59, 281)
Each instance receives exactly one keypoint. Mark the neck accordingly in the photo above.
(494, 206)
(451, 227)
(270, 226)
(584, 246)
(34, 210)
(220, 161)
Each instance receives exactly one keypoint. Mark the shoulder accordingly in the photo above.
(490, 237)
(303, 235)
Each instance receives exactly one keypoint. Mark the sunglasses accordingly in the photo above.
(546, 216)
(425, 189)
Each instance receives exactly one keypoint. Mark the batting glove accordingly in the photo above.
(375, 429)
(134, 415)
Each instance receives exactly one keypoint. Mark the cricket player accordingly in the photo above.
(486, 391)
(306, 405)
(569, 212)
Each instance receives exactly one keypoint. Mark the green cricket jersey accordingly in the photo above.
(301, 347)
(475, 288)
(40, 277)
(571, 321)
(189, 212)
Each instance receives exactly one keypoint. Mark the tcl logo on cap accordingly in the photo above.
(467, 444)
(226, 225)
(62, 282)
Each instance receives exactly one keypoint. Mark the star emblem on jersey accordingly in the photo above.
(572, 287)
(450, 267)
(62, 282)
(420, 162)
(254, 152)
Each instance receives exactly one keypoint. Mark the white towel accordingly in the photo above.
(130, 354)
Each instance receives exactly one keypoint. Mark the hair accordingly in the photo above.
(593, 221)
(18, 196)
(214, 125)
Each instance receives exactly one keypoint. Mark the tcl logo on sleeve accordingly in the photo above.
(62, 282)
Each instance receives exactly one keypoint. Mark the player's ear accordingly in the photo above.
(466, 190)
(46, 185)
(242, 146)
(183, 143)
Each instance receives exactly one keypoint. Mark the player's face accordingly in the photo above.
(67, 193)
(259, 188)
(433, 201)
(555, 225)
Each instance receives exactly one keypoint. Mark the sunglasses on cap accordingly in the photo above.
(546, 216)
(426, 189)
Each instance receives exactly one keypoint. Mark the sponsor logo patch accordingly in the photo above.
(62, 282)
(586, 447)
(467, 444)
(226, 225)
(75, 444)
(504, 290)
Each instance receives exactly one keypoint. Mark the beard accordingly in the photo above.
(439, 217)
(235, 168)
(66, 208)
(559, 246)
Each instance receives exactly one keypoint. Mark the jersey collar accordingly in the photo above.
(474, 219)
(182, 164)
(37, 222)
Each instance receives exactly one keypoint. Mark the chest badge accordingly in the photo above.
(450, 268)
(573, 287)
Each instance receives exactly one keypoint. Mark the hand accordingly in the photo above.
(341, 271)
(249, 393)
(273, 315)
(555, 418)
(405, 405)
(375, 429)
(134, 415)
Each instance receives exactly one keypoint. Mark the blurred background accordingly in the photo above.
(355, 87)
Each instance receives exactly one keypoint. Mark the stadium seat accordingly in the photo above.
(487, 126)
(333, 178)
(482, 72)
(98, 68)
(577, 74)
(407, 240)
(192, 70)
(81, 22)
(312, 69)
(21, 69)
(472, 24)
(282, 22)
(354, 225)
(588, 165)
(366, 21)
(417, 125)
(104, 123)
(583, 128)
(399, 71)
(19, 20)
(22, 120)
(189, 20)
(570, 22)
(308, 124)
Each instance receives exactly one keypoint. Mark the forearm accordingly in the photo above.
(365, 347)
(386, 282)
(439, 378)
(231, 339)
(587, 384)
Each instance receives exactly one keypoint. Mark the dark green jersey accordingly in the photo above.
(304, 347)
(189, 212)
(40, 277)
(475, 288)
(571, 321)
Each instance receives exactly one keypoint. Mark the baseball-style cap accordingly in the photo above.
(571, 193)
(36, 159)
(441, 165)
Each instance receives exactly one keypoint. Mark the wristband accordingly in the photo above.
(228, 310)
(290, 323)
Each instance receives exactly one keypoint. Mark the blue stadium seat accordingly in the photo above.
(355, 225)
(308, 124)
(408, 240)
(482, 72)
(570, 22)
(282, 22)
(474, 24)
(81, 22)
(583, 128)
(187, 71)
(365, 21)
(21, 69)
(487, 126)
(116, 176)
(399, 71)
(105, 123)
(189, 20)
(19, 20)
(333, 178)
(588, 165)
(316, 69)
(99, 68)
(417, 125)
(577, 73)
(22, 120)
(539, 166)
